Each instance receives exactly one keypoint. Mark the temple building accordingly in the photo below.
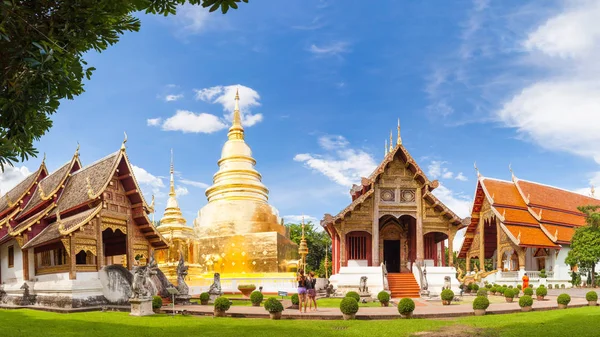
(523, 227)
(394, 222)
(59, 229)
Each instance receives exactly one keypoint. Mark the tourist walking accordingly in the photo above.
(302, 282)
(311, 291)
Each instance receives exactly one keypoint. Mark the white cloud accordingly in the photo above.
(11, 177)
(332, 49)
(298, 219)
(460, 176)
(448, 175)
(225, 95)
(190, 122)
(457, 202)
(181, 191)
(436, 170)
(148, 180)
(153, 121)
(459, 238)
(193, 183)
(342, 164)
(171, 98)
(193, 19)
(314, 25)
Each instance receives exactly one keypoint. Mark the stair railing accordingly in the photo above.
(384, 272)
(422, 277)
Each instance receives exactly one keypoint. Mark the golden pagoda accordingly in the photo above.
(238, 231)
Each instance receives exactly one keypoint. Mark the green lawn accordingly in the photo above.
(570, 322)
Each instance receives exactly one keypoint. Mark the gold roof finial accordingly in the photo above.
(77, 150)
(124, 141)
(236, 131)
(592, 191)
(172, 185)
(512, 174)
(44, 159)
(477, 169)
(391, 142)
(399, 140)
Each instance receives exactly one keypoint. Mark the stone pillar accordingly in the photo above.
(375, 228)
(100, 260)
(451, 250)
(481, 245)
(419, 199)
(72, 259)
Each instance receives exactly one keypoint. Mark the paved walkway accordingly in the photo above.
(424, 309)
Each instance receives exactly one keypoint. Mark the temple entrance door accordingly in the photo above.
(391, 255)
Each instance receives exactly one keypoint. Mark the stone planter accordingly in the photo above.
(385, 304)
(509, 299)
(562, 306)
(540, 298)
(295, 306)
(156, 310)
(446, 302)
(256, 304)
(407, 315)
(204, 302)
(498, 293)
(349, 316)
(526, 309)
(219, 313)
(592, 303)
(479, 312)
(275, 315)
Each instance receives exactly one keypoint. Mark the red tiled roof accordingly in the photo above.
(553, 197)
(530, 236)
(503, 193)
(517, 216)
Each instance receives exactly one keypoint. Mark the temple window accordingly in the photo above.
(85, 257)
(11, 256)
(50, 258)
(358, 245)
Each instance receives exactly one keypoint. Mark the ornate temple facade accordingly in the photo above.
(523, 227)
(394, 220)
(59, 229)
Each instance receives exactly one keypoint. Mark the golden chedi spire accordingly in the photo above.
(172, 215)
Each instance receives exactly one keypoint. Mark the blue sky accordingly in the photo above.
(323, 82)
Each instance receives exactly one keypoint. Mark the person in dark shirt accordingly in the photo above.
(302, 285)
(311, 290)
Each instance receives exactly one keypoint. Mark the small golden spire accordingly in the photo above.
(41, 192)
(391, 142)
(236, 131)
(77, 150)
(512, 174)
(302, 227)
(124, 141)
(172, 186)
(476, 169)
(399, 140)
(44, 159)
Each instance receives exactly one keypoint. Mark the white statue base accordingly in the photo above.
(141, 307)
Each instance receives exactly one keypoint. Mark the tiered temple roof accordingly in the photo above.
(531, 214)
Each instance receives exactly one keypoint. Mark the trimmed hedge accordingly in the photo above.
(354, 295)
(295, 299)
(591, 296)
(349, 306)
(541, 291)
(525, 301)
(222, 304)
(475, 287)
(528, 291)
(519, 286)
(489, 286)
(256, 297)
(482, 292)
(383, 297)
(406, 306)
(447, 295)
(481, 303)
(509, 293)
(563, 299)
(204, 296)
(273, 305)
(156, 302)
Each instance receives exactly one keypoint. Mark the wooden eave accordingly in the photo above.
(19, 201)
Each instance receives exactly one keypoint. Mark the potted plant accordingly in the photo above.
(469, 288)
(246, 289)
(520, 287)
(204, 297)
(274, 307)
(447, 296)
(349, 307)
(384, 298)
(156, 303)
(516, 292)
(592, 298)
(222, 304)
(256, 298)
(488, 285)
(563, 300)
(493, 290)
(406, 306)
(541, 292)
(295, 301)
(480, 304)
(528, 291)
(501, 290)
(354, 295)
(475, 287)
(482, 292)
(526, 303)
(509, 295)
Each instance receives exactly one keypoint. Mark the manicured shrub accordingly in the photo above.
(530, 286)
(509, 293)
(475, 287)
(349, 306)
(493, 289)
(156, 302)
(204, 297)
(516, 291)
(447, 295)
(525, 301)
(541, 291)
(246, 286)
(383, 297)
(504, 286)
(481, 303)
(488, 285)
(354, 295)
(469, 286)
(519, 286)
(273, 305)
(501, 290)
(256, 297)
(295, 299)
(510, 287)
(482, 292)
(543, 273)
(591, 296)
(406, 306)
(222, 304)
(563, 299)
(528, 291)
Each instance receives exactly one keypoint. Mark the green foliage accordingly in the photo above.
(520, 287)
(383, 297)
(482, 292)
(543, 273)
(273, 305)
(585, 245)
(354, 295)
(475, 287)
(591, 296)
(222, 304)
(42, 45)
(295, 299)
(204, 296)
(493, 289)
(528, 291)
(549, 286)
(406, 306)
(156, 302)
(256, 297)
(502, 290)
(508, 293)
(318, 243)
(447, 295)
(246, 286)
(481, 303)
(563, 299)
(489, 286)
(349, 306)
(525, 301)
(470, 287)
(541, 291)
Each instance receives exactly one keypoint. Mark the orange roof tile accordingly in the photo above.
(530, 236)
(554, 197)
(512, 215)
(564, 233)
(503, 193)
(560, 217)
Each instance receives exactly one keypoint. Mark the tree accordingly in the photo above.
(318, 243)
(42, 43)
(585, 243)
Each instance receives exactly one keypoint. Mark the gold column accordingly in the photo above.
(100, 260)
(498, 252)
(451, 249)
(481, 244)
(420, 248)
(468, 263)
(73, 261)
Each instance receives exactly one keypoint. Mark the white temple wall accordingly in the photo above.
(15, 273)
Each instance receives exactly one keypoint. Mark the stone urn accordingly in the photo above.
(349, 316)
(509, 299)
(219, 313)
(275, 315)
(385, 304)
(562, 306)
(479, 312)
(593, 303)
(526, 309)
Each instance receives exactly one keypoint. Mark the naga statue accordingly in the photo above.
(476, 277)
(182, 271)
(140, 287)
